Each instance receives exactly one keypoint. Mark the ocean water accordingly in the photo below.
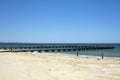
(107, 52)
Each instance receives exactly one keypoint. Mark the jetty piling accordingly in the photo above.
(102, 55)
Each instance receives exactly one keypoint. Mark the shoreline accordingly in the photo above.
(73, 55)
(66, 54)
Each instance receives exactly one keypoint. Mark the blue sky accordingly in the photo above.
(60, 21)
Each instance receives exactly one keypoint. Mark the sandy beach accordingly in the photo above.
(45, 66)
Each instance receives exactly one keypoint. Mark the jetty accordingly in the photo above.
(52, 47)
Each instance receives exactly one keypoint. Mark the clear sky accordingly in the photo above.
(60, 21)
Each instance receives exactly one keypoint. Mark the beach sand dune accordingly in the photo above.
(44, 66)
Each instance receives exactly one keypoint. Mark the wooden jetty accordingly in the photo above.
(52, 47)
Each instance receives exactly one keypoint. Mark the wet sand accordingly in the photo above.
(45, 66)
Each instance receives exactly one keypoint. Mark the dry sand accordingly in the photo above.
(44, 66)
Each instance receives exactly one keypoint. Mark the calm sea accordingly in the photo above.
(108, 52)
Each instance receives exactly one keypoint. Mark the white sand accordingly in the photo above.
(27, 66)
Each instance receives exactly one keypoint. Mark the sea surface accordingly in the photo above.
(107, 52)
